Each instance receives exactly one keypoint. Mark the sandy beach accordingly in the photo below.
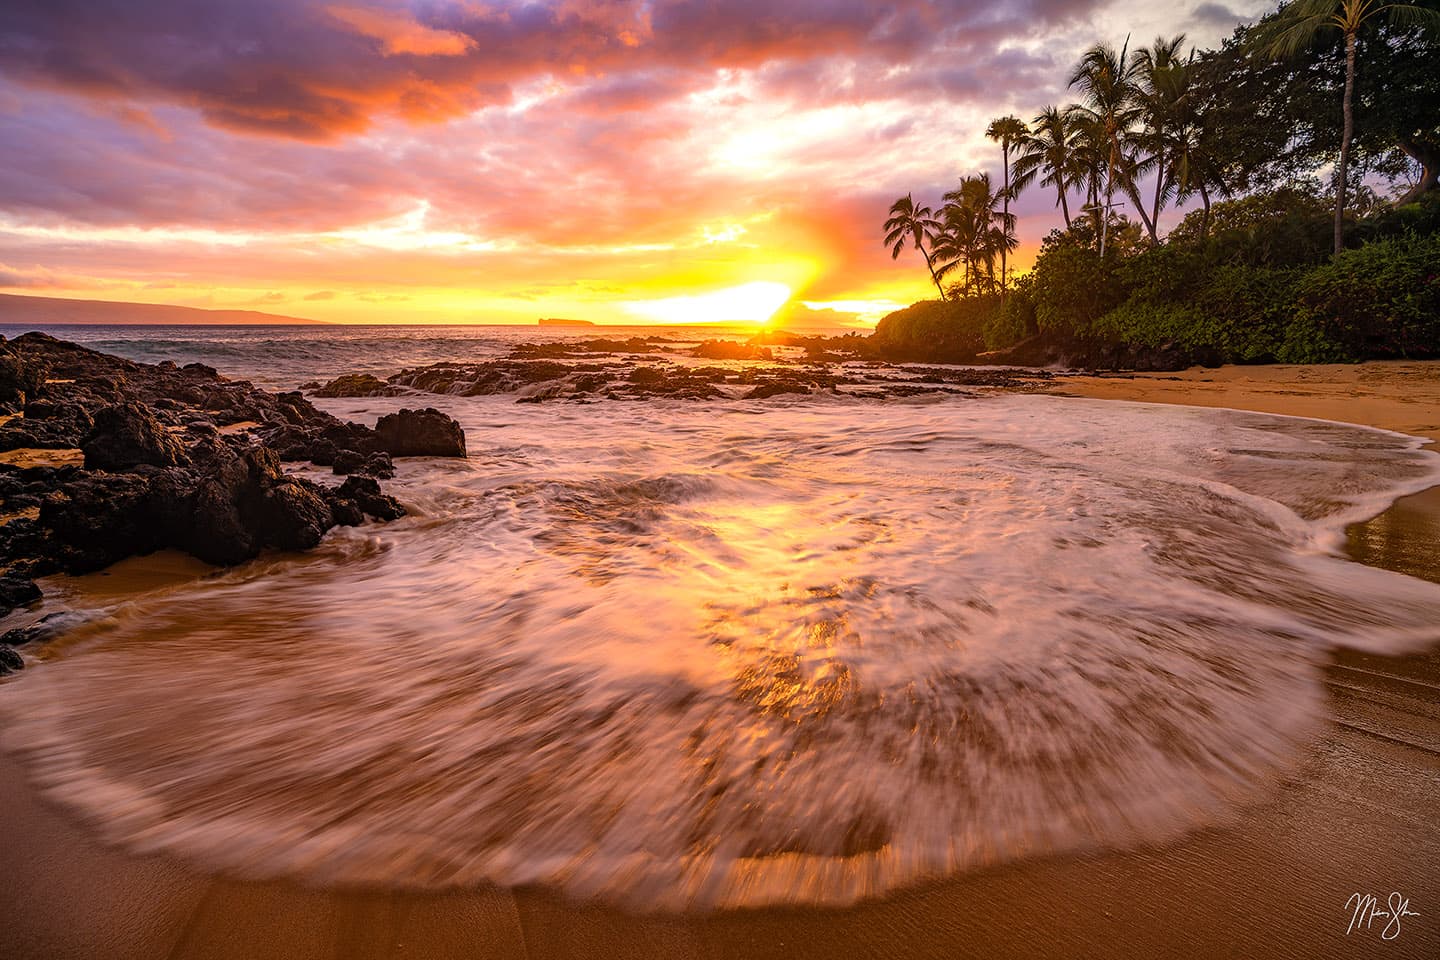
(1358, 816)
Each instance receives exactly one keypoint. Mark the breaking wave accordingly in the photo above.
(679, 657)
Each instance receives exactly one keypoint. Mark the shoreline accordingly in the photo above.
(1270, 881)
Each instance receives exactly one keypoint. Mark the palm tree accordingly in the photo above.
(1090, 149)
(974, 232)
(1006, 131)
(916, 223)
(1302, 21)
(1107, 79)
(1193, 161)
(1049, 150)
(1162, 83)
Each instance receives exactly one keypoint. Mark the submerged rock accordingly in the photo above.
(420, 433)
(10, 660)
(46, 628)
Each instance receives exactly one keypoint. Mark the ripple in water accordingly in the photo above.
(683, 657)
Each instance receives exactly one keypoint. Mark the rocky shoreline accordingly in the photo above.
(106, 458)
(584, 371)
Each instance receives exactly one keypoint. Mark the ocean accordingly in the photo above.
(679, 655)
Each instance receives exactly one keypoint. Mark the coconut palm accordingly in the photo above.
(1008, 132)
(1047, 152)
(916, 224)
(1303, 21)
(974, 233)
(1090, 149)
(1107, 81)
(1161, 87)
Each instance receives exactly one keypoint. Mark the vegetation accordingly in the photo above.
(1281, 145)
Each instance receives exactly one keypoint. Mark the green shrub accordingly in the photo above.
(1072, 289)
(1013, 322)
(937, 330)
(1381, 300)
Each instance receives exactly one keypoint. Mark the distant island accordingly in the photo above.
(562, 322)
(28, 311)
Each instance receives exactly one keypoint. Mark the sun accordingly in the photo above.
(753, 302)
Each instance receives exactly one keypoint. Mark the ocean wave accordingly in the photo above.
(682, 659)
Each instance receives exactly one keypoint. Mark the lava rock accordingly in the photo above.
(10, 661)
(354, 385)
(16, 592)
(347, 461)
(420, 433)
(46, 628)
(101, 518)
(365, 493)
(127, 435)
(775, 388)
(20, 377)
(379, 466)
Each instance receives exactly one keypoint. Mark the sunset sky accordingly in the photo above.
(467, 161)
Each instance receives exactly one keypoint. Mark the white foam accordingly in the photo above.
(687, 656)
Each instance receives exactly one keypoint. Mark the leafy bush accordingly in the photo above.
(1014, 321)
(937, 330)
(1072, 289)
(1380, 300)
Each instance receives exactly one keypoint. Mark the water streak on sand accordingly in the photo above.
(686, 656)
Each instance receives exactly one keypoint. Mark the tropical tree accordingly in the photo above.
(1107, 81)
(916, 224)
(1161, 89)
(1303, 21)
(974, 233)
(1048, 152)
(1008, 132)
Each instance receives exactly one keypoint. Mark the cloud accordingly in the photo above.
(400, 34)
(1216, 14)
(321, 295)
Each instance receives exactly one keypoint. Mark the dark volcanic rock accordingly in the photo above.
(355, 385)
(101, 518)
(10, 660)
(730, 350)
(16, 592)
(365, 494)
(245, 505)
(348, 461)
(47, 627)
(420, 433)
(127, 435)
(775, 388)
(20, 377)
(159, 473)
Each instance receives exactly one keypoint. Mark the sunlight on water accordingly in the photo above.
(682, 656)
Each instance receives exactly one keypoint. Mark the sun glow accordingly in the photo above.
(753, 302)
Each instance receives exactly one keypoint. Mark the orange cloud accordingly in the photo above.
(400, 34)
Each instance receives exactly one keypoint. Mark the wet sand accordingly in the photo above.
(1362, 814)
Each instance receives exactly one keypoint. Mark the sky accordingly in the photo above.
(488, 161)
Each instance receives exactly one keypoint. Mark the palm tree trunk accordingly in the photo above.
(1349, 131)
(1105, 211)
(1204, 217)
(1064, 205)
(930, 265)
(1155, 214)
(1005, 206)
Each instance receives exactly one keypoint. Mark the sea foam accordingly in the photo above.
(679, 656)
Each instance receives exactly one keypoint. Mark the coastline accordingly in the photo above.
(1273, 881)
